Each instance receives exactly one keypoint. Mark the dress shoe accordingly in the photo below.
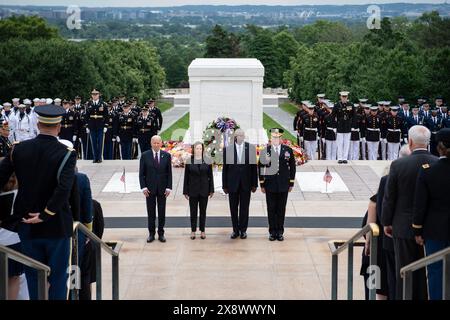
(272, 238)
(243, 235)
(344, 161)
(280, 237)
(193, 236)
(203, 236)
(234, 235)
(161, 238)
(150, 238)
(99, 161)
(340, 161)
(94, 161)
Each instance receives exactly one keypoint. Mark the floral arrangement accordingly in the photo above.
(180, 152)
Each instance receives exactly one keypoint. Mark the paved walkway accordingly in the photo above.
(282, 117)
(172, 115)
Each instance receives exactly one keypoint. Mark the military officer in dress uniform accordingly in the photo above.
(126, 124)
(78, 105)
(310, 130)
(134, 106)
(431, 215)
(415, 119)
(276, 177)
(434, 123)
(121, 101)
(404, 110)
(111, 131)
(344, 112)
(328, 132)
(446, 121)
(373, 133)
(424, 108)
(396, 132)
(97, 115)
(85, 150)
(144, 129)
(366, 112)
(41, 209)
(355, 134)
(7, 113)
(69, 123)
(155, 113)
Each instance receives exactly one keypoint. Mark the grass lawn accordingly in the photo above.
(177, 130)
(163, 106)
(289, 107)
(269, 123)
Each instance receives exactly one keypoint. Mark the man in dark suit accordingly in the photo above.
(276, 178)
(155, 177)
(239, 180)
(45, 170)
(397, 214)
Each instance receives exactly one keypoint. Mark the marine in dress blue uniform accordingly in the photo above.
(96, 116)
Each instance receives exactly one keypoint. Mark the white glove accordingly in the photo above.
(335, 130)
(135, 140)
(113, 139)
(301, 139)
(384, 140)
(118, 139)
(363, 140)
(323, 140)
(87, 130)
(104, 130)
(74, 138)
(405, 140)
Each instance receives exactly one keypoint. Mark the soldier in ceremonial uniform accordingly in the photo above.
(276, 177)
(434, 123)
(404, 110)
(415, 119)
(97, 115)
(69, 123)
(126, 124)
(366, 112)
(328, 132)
(355, 135)
(121, 101)
(78, 105)
(373, 133)
(431, 219)
(41, 209)
(344, 112)
(383, 115)
(396, 132)
(144, 129)
(155, 113)
(134, 106)
(7, 113)
(111, 130)
(298, 124)
(310, 130)
(424, 107)
(446, 121)
(22, 125)
(85, 150)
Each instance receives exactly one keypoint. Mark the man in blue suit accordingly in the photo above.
(155, 178)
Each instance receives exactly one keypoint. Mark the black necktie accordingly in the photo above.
(156, 159)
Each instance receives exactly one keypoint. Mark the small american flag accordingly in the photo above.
(122, 178)
(327, 177)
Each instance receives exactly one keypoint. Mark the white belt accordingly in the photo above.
(371, 129)
(394, 130)
(355, 130)
(311, 129)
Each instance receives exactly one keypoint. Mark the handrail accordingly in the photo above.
(406, 273)
(43, 271)
(112, 248)
(338, 246)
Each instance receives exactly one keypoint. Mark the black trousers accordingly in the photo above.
(276, 210)
(197, 204)
(391, 273)
(239, 207)
(407, 251)
(152, 200)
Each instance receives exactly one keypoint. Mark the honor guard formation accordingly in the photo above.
(99, 130)
(345, 131)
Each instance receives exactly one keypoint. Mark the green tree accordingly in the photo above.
(27, 28)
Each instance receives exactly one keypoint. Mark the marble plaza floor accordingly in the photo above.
(221, 268)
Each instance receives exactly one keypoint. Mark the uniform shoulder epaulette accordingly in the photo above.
(425, 166)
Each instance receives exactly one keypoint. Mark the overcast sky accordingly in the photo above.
(168, 3)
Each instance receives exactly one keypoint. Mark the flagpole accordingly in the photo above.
(124, 181)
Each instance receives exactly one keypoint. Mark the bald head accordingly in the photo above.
(156, 143)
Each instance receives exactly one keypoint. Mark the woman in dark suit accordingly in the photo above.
(198, 185)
